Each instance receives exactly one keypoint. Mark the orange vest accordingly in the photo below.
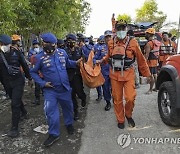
(133, 50)
(154, 53)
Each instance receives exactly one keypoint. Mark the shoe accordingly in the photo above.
(76, 117)
(50, 140)
(108, 106)
(13, 132)
(70, 129)
(99, 98)
(121, 125)
(83, 103)
(131, 122)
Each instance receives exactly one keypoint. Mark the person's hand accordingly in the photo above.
(48, 85)
(79, 60)
(30, 83)
(149, 79)
(99, 61)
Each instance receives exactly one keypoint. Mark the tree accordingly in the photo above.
(7, 17)
(174, 32)
(125, 17)
(38, 16)
(149, 13)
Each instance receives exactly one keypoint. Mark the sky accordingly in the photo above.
(102, 10)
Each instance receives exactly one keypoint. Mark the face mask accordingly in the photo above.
(5, 48)
(87, 43)
(101, 42)
(71, 44)
(61, 46)
(36, 50)
(121, 34)
(49, 48)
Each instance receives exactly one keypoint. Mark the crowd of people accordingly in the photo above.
(54, 68)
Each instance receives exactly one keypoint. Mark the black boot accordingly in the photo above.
(50, 140)
(108, 106)
(121, 125)
(131, 122)
(99, 98)
(83, 103)
(13, 132)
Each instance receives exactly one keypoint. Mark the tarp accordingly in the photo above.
(91, 73)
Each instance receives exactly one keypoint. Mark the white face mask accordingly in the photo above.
(87, 43)
(36, 50)
(5, 48)
(121, 34)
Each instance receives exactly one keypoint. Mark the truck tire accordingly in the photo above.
(166, 97)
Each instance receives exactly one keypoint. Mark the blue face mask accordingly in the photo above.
(121, 34)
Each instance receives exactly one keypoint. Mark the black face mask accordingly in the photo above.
(49, 48)
(71, 44)
(61, 46)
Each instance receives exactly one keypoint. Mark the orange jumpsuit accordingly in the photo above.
(125, 85)
(163, 56)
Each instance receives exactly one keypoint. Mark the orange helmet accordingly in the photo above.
(150, 31)
(15, 37)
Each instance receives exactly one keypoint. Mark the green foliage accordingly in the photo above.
(149, 13)
(125, 17)
(174, 32)
(36, 16)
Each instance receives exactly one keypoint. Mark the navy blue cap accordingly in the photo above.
(108, 33)
(60, 41)
(5, 39)
(35, 42)
(71, 36)
(49, 38)
(101, 38)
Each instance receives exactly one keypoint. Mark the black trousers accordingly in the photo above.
(37, 90)
(77, 89)
(2, 82)
(15, 91)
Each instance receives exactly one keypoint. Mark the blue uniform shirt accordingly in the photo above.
(33, 52)
(86, 49)
(101, 50)
(53, 69)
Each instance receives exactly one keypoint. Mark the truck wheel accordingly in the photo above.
(166, 98)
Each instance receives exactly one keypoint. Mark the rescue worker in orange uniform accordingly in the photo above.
(168, 48)
(121, 55)
(16, 42)
(151, 51)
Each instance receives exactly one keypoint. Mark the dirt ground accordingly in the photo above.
(30, 141)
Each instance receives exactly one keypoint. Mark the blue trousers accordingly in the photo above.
(51, 108)
(99, 91)
(107, 88)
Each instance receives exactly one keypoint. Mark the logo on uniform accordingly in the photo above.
(124, 140)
